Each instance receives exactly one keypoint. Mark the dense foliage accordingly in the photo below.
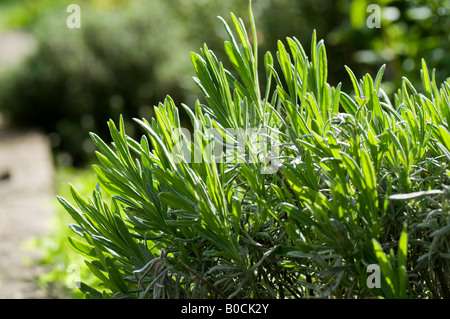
(310, 186)
(326, 184)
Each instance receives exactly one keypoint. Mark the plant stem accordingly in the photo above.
(203, 280)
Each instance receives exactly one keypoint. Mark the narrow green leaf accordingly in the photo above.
(445, 136)
(426, 79)
(370, 182)
(89, 291)
(403, 247)
(81, 247)
(348, 104)
(355, 83)
(115, 276)
(323, 64)
(178, 202)
(385, 265)
(378, 78)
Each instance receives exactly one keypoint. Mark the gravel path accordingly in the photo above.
(26, 191)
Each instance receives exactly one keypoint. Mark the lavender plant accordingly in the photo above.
(286, 187)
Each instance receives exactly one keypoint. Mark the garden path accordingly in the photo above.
(26, 196)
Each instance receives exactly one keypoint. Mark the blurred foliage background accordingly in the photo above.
(129, 54)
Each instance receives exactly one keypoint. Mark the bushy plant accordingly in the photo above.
(290, 188)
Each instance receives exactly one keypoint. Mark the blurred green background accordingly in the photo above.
(129, 54)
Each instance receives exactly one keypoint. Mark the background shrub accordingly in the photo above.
(79, 78)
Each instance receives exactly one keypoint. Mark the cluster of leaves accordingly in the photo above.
(350, 180)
